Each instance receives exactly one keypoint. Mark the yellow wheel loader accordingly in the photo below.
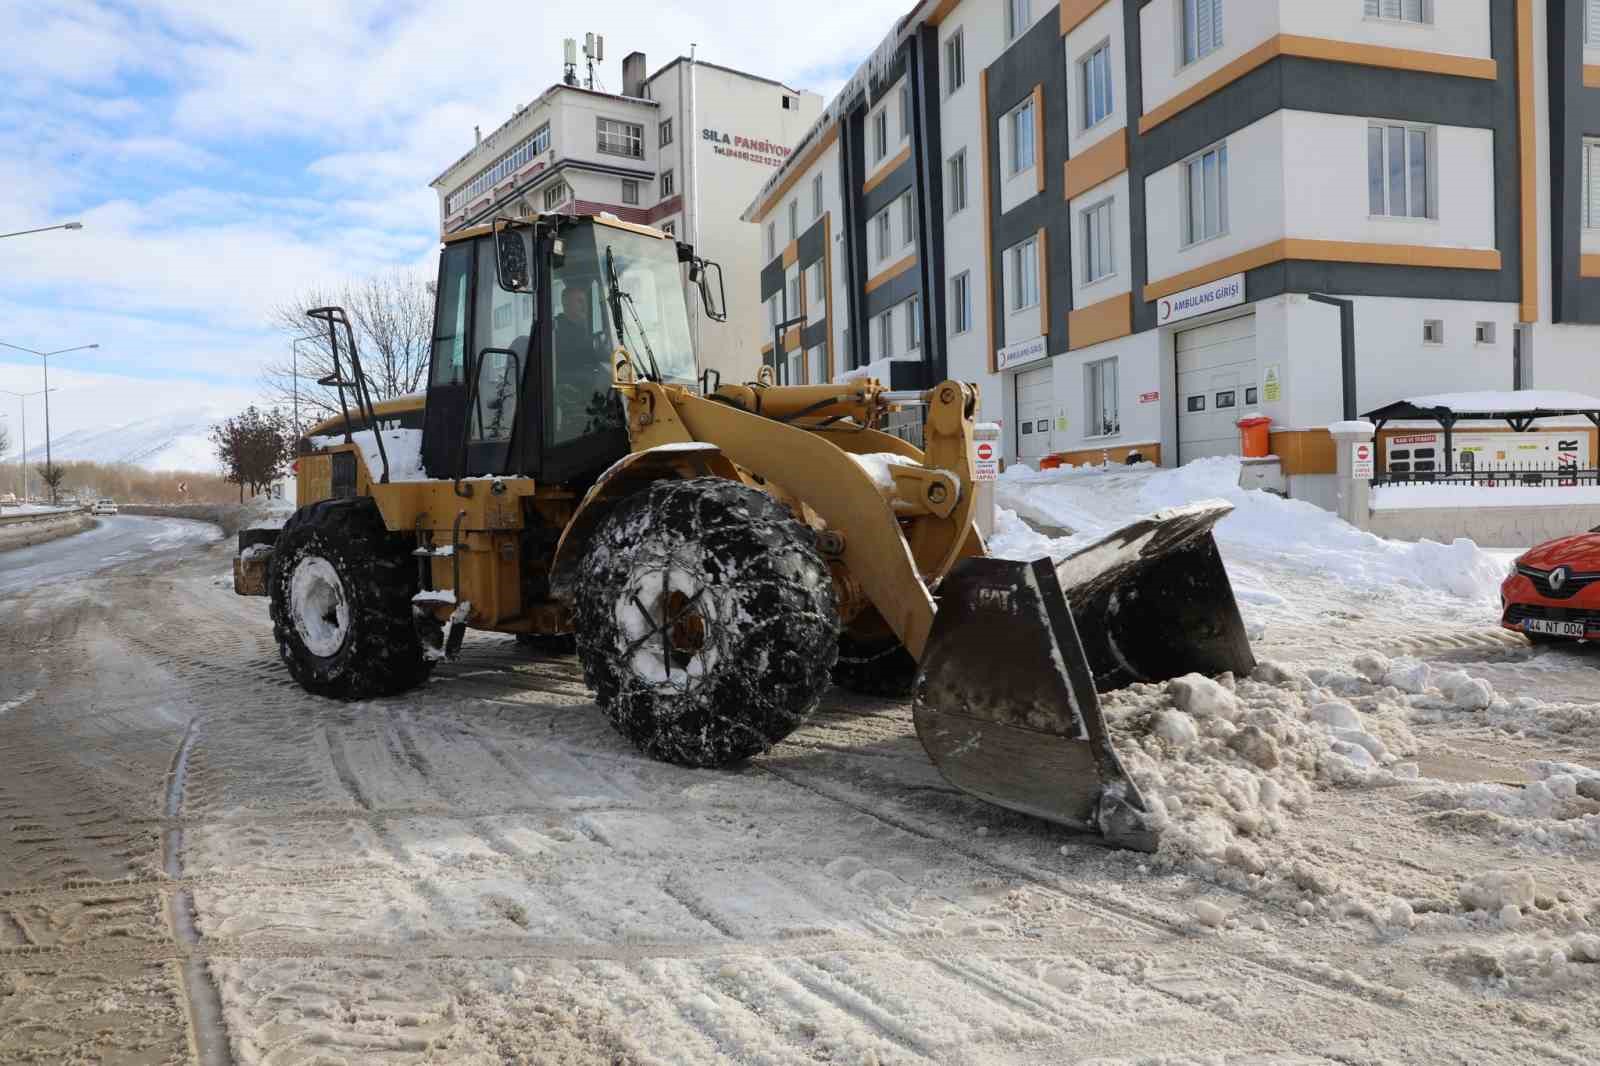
(710, 547)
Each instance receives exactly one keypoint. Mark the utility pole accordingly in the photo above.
(22, 456)
(48, 463)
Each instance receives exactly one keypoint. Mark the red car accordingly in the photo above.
(1553, 590)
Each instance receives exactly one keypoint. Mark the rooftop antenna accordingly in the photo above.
(570, 62)
(594, 51)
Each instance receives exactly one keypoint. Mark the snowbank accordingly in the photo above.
(1091, 502)
(1405, 497)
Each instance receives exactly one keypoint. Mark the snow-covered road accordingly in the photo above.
(483, 872)
(117, 540)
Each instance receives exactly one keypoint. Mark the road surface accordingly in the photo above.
(118, 540)
(199, 862)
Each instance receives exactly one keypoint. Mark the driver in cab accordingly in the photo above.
(582, 359)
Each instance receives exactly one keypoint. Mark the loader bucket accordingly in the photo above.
(1006, 707)
(1152, 601)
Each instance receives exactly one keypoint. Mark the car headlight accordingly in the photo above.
(1515, 563)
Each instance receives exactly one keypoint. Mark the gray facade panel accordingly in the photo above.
(1034, 59)
(891, 293)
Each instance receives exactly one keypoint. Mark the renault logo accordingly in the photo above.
(1558, 578)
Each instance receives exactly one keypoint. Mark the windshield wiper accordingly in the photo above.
(617, 299)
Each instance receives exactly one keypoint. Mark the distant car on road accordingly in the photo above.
(104, 506)
(1553, 590)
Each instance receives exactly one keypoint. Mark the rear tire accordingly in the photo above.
(706, 621)
(341, 587)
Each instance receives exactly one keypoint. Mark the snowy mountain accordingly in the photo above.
(176, 440)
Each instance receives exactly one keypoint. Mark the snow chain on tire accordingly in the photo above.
(875, 668)
(706, 621)
(336, 559)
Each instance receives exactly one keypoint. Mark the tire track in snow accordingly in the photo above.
(208, 1035)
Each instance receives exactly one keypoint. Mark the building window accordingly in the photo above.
(1403, 10)
(1100, 398)
(880, 135)
(1398, 174)
(961, 302)
(630, 191)
(1202, 28)
(1099, 258)
(1591, 182)
(1485, 333)
(791, 307)
(956, 182)
(669, 228)
(1591, 22)
(772, 239)
(955, 62)
(1096, 81)
(514, 160)
(1196, 404)
(816, 196)
(667, 184)
(908, 221)
(620, 138)
(794, 219)
(886, 335)
(817, 295)
(1250, 395)
(1018, 16)
(666, 132)
(883, 226)
(556, 195)
(1021, 134)
(789, 102)
(1205, 180)
(1433, 331)
(1025, 275)
(913, 308)
(814, 369)
(905, 111)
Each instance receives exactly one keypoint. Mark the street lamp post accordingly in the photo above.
(22, 456)
(48, 463)
(42, 229)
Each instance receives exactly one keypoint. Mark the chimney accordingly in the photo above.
(477, 135)
(633, 72)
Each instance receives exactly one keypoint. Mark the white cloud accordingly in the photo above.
(226, 156)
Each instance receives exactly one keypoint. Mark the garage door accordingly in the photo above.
(1036, 402)
(1217, 381)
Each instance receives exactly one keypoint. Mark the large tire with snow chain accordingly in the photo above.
(706, 621)
(341, 587)
(875, 667)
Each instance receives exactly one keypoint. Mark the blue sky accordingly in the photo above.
(224, 155)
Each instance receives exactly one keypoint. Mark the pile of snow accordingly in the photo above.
(1226, 765)
(1093, 501)
(179, 440)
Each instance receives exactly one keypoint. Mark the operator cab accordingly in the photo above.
(530, 317)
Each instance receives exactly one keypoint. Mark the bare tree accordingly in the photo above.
(52, 477)
(392, 315)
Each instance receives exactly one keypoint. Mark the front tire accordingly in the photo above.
(341, 586)
(706, 621)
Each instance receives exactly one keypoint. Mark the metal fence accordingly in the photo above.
(1533, 475)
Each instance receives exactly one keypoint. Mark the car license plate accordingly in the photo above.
(1554, 629)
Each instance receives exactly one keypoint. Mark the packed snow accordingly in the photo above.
(402, 446)
(1509, 402)
(1086, 503)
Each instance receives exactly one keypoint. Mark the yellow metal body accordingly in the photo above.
(889, 541)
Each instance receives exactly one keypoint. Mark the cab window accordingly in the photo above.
(502, 321)
(582, 400)
(450, 321)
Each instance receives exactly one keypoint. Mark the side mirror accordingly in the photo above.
(512, 261)
(716, 304)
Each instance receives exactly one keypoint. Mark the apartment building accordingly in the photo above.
(1125, 218)
(681, 149)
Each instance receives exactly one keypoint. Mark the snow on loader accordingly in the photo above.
(711, 548)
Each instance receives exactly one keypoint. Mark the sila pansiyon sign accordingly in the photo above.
(1201, 300)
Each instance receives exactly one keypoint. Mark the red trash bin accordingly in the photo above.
(1255, 440)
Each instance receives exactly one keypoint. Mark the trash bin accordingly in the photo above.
(1255, 440)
